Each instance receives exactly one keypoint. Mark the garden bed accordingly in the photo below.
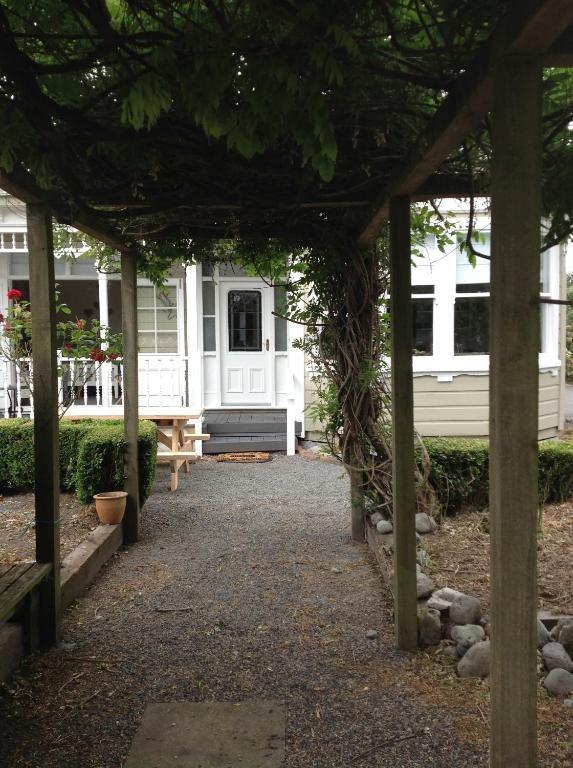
(459, 557)
(17, 531)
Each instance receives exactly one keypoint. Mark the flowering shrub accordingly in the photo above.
(79, 340)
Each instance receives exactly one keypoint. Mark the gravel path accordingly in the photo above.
(244, 585)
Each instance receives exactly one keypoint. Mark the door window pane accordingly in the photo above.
(423, 314)
(244, 321)
(471, 326)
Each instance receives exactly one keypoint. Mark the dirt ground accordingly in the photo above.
(459, 557)
(17, 530)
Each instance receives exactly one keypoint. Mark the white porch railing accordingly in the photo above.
(83, 383)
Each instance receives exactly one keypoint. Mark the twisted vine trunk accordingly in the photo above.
(360, 383)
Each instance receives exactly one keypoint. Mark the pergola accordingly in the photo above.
(269, 196)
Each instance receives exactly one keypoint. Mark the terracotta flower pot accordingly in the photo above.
(110, 506)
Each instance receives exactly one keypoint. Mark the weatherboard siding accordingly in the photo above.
(459, 407)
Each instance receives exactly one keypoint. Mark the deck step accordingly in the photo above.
(245, 427)
(262, 441)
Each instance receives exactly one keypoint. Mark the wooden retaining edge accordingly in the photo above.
(79, 569)
(82, 565)
(378, 542)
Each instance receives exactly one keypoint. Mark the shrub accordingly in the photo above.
(91, 456)
(460, 471)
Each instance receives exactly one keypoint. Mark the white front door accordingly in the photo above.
(245, 343)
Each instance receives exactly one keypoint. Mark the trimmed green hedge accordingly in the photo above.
(460, 471)
(91, 456)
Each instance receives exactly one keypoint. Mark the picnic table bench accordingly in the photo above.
(171, 432)
(20, 586)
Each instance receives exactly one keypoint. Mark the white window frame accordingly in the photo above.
(177, 284)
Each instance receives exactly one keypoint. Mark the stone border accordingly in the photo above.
(79, 569)
(454, 621)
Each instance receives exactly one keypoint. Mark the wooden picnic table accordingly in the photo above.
(171, 423)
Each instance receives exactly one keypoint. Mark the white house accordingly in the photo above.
(209, 341)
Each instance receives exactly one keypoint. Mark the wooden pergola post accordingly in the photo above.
(403, 459)
(131, 521)
(514, 384)
(46, 434)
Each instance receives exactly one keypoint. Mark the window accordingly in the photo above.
(157, 319)
(244, 321)
(209, 324)
(423, 317)
(13, 241)
(471, 311)
(280, 322)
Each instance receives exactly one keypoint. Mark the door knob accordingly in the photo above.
(267, 346)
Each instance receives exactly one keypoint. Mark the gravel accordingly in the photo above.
(231, 594)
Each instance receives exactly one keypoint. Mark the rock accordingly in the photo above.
(475, 663)
(375, 518)
(451, 652)
(568, 703)
(465, 610)
(424, 523)
(447, 594)
(556, 657)
(424, 585)
(371, 634)
(566, 635)
(437, 604)
(466, 635)
(559, 682)
(429, 627)
(384, 526)
(543, 636)
(556, 631)
(335, 569)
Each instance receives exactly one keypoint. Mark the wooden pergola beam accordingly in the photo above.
(530, 28)
(24, 188)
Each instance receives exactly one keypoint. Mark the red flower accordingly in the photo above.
(14, 294)
(98, 355)
(112, 356)
(81, 324)
(1, 317)
(67, 346)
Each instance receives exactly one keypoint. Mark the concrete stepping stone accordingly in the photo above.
(249, 734)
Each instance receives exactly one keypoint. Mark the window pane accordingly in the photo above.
(244, 318)
(465, 272)
(209, 338)
(423, 313)
(472, 288)
(207, 269)
(82, 267)
(146, 342)
(422, 289)
(280, 322)
(145, 319)
(145, 295)
(167, 296)
(544, 284)
(19, 264)
(166, 342)
(231, 270)
(471, 326)
(166, 319)
(208, 297)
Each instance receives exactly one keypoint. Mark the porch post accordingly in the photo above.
(514, 384)
(104, 320)
(46, 437)
(403, 460)
(131, 520)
